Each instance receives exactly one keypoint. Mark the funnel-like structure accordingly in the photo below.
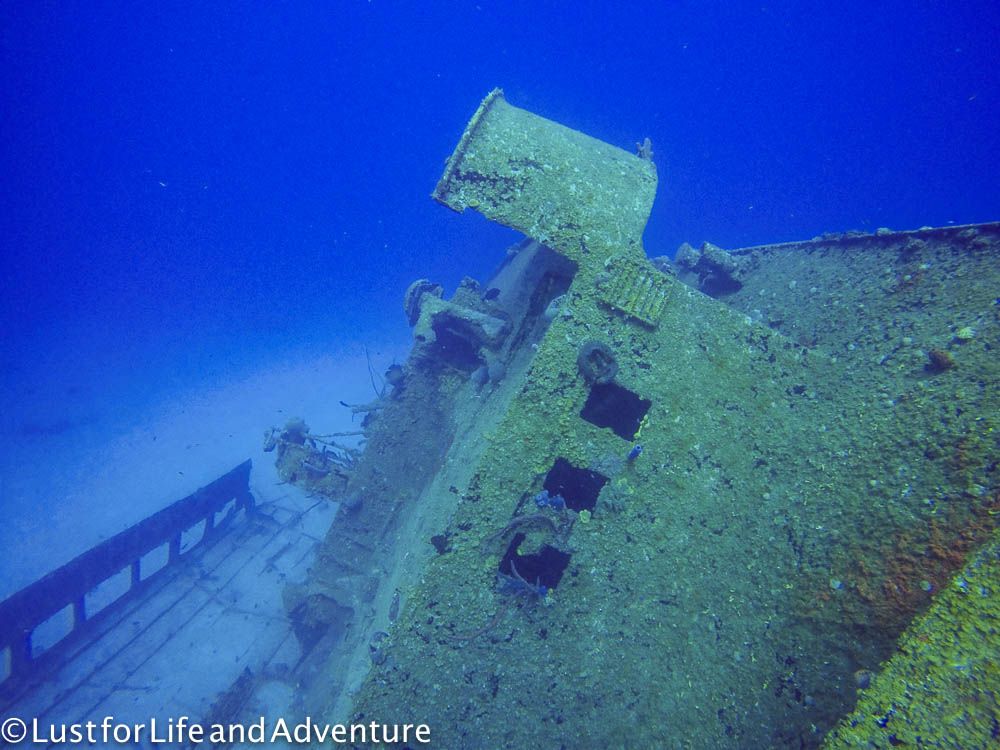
(565, 189)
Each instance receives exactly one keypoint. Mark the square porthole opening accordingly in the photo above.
(545, 567)
(579, 487)
(610, 405)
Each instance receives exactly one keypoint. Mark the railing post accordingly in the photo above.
(69, 584)
(79, 611)
(20, 656)
(245, 501)
(175, 549)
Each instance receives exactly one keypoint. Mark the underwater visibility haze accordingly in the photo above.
(543, 374)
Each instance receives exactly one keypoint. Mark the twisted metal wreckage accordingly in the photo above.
(703, 497)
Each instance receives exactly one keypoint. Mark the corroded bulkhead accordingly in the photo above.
(807, 478)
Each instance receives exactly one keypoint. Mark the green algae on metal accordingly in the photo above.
(942, 687)
(771, 465)
(551, 182)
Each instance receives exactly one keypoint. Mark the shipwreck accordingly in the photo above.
(688, 502)
(734, 498)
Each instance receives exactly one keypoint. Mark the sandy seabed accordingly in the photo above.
(62, 493)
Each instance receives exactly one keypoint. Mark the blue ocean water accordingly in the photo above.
(195, 184)
(193, 194)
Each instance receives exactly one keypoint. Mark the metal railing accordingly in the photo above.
(69, 585)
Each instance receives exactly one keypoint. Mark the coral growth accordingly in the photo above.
(940, 687)
(896, 579)
(890, 581)
(597, 362)
(939, 361)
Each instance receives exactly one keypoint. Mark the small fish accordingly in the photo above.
(491, 293)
